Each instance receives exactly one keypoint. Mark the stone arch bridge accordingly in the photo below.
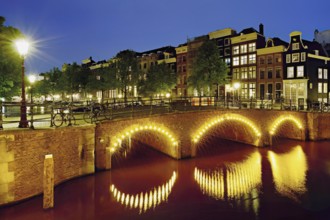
(180, 134)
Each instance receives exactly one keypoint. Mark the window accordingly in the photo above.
(244, 48)
(325, 73)
(252, 72)
(262, 91)
(270, 73)
(252, 47)
(320, 87)
(278, 58)
(303, 56)
(262, 60)
(300, 71)
(184, 58)
(252, 91)
(220, 42)
(236, 73)
(228, 61)
(179, 69)
(244, 90)
(236, 50)
(235, 61)
(295, 46)
(325, 87)
(243, 60)
(301, 89)
(184, 69)
(244, 74)
(269, 59)
(270, 91)
(290, 72)
(145, 66)
(295, 57)
(252, 58)
(227, 51)
(262, 73)
(320, 73)
(278, 86)
(278, 72)
(227, 41)
(288, 58)
(221, 52)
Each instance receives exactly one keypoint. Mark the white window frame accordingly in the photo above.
(244, 60)
(320, 87)
(325, 87)
(243, 48)
(235, 61)
(295, 46)
(288, 58)
(252, 58)
(290, 72)
(295, 57)
(235, 50)
(252, 47)
(325, 73)
(303, 56)
(320, 73)
(300, 71)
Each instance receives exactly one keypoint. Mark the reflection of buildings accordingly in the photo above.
(238, 181)
(289, 172)
(147, 200)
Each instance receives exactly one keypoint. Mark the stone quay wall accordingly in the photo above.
(22, 154)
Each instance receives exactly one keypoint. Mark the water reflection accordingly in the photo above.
(289, 172)
(236, 181)
(147, 200)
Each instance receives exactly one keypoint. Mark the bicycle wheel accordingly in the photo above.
(71, 119)
(57, 120)
(89, 117)
(106, 114)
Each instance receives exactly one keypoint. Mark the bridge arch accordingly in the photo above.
(201, 131)
(117, 138)
(282, 119)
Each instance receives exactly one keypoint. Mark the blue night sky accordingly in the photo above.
(66, 31)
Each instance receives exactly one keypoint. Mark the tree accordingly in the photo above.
(102, 79)
(10, 62)
(50, 85)
(208, 69)
(73, 79)
(160, 79)
(127, 71)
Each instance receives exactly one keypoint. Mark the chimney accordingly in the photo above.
(261, 29)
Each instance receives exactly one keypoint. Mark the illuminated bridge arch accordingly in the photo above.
(224, 118)
(282, 119)
(116, 140)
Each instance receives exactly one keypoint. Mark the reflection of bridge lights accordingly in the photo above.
(117, 141)
(282, 119)
(147, 200)
(289, 172)
(227, 117)
(238, 181)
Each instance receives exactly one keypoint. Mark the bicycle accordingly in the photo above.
(61, 117)
(96, 113)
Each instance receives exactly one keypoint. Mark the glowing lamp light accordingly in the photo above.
(22, 46)
(283, 119)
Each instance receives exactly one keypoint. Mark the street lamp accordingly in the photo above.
(32, 79)
(22, 48)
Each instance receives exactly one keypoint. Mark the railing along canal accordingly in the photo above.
(76, 113)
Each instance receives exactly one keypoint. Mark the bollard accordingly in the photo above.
(1, 127)
(31, 125)
(48, 199)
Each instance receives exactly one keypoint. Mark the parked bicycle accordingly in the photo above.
(96, 113)
(63, 115)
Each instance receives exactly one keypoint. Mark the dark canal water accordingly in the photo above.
(227, 180)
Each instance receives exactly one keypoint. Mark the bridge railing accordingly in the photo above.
(42, 115)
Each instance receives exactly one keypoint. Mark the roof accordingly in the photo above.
(313, 45)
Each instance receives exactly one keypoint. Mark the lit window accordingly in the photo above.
(320, 73)
(278, 58)
(243, 60)
(301, 89)
(236, 50)
(236, 73)
(325, 87)
(227, 60)
(325, 73)
(227, 51)
(244, 74)
(252, 47)
(252, 91)
(269, 59)
(252, 58)
(295, 46)
(288, 58)
(252, 72)
(303, 56)
(300, 71)
(235, 61)
(295, 57)
(290, 72)
(244, 48)
(320, 87)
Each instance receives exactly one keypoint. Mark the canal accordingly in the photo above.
(227, 180)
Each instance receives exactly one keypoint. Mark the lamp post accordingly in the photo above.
(22, 48)
(32, 79)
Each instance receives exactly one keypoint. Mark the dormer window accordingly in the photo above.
(316, 52)
(295, 46)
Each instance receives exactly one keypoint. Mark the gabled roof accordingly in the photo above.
(278, 42)
(313, 45)
(248, 31)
